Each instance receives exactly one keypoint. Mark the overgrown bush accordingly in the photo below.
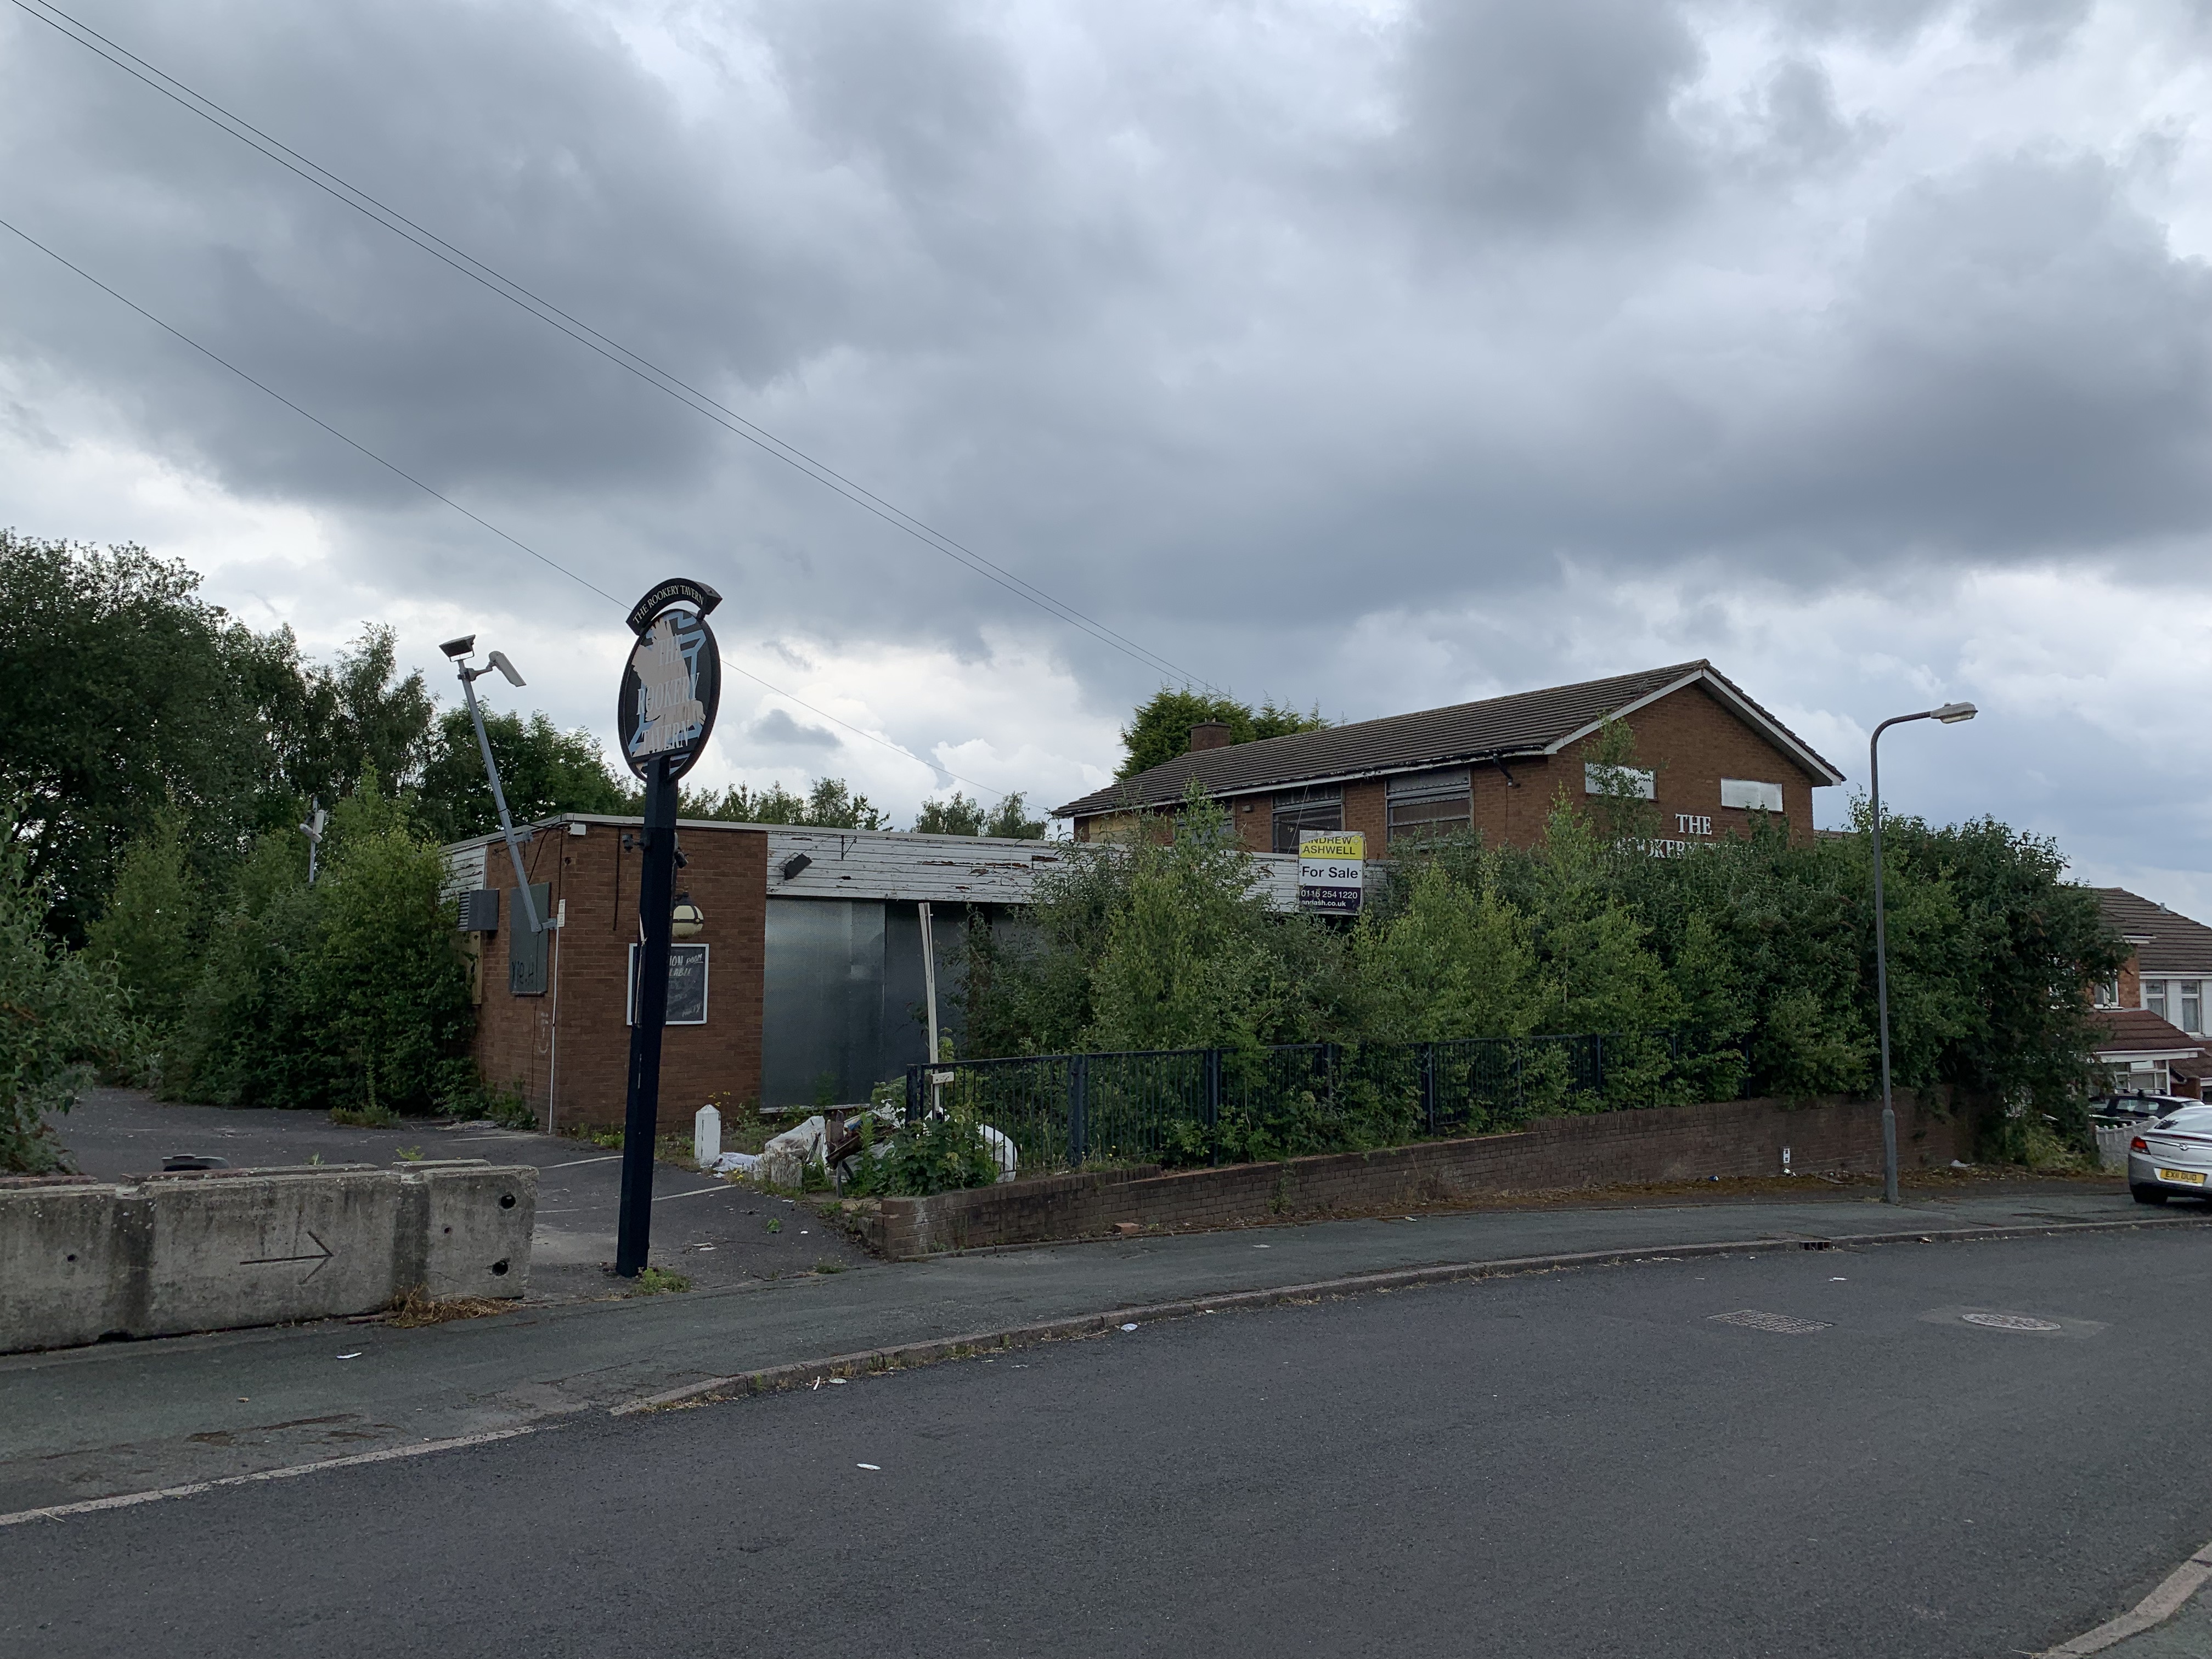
(1744, 967)
(938, 1155)
(62, 1015)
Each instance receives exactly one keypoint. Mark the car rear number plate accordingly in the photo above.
(2186, 1177)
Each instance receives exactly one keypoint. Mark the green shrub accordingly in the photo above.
(938, 1155)
(62, 1016)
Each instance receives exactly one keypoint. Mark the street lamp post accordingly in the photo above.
(1950, 713)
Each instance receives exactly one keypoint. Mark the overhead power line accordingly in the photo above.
(435, 494)
(584, 334)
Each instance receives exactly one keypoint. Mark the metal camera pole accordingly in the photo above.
(670, 689)
(458, 650)
(1950, 713)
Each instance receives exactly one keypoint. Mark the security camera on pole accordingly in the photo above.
(669, 689)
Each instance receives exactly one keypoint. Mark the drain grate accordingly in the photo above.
(1752, 1318)
(1990, 1322)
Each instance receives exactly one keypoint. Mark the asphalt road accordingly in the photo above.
(1573, 1463)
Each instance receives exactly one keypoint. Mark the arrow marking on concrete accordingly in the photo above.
(278, 1260)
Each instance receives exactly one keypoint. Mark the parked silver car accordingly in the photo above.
(2174, 1155)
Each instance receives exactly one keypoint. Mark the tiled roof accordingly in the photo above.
(1526, 723)
(2172, 944)
(2139, 1031)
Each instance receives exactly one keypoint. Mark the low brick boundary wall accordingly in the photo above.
(1829, 1135)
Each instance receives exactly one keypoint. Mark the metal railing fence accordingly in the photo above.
(1210, 1105)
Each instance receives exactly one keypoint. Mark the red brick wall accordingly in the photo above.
(1660, 1144)
(726, 877)
(1695, 741)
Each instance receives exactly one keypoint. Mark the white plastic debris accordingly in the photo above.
(878, 1467)
(355, 1355)
(1002, 1150)
(736, 1163)
(783, 1161)
(1129, 1328)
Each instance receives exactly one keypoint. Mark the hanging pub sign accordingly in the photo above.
(1332, 871)
(673, 681)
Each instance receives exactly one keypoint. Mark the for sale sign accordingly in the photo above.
(1332, 871)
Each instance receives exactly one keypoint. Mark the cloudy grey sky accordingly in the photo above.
(1375, 356)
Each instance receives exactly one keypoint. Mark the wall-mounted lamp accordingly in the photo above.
(687, 919)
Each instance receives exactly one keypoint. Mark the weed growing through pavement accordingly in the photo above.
(419, 1307)
(658, 1282)
(372, 1116)
(776, 1223)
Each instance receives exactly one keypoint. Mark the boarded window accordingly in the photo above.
(1754, 797)
(687, 985)
(1433, 803)
(1321, 807)
(525, 950)
(1618, 780)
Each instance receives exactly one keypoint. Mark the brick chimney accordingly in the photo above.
(1209, 734)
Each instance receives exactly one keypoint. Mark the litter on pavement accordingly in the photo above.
(1129, 1328)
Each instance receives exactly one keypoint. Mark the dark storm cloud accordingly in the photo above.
(1546, 114)
(777, 730)
(1457, 315)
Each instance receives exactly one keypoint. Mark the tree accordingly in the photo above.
(361, 715)
(1009, 819)
(545, 771)
(61, 1015)
(148, 933)
(1160, 729)
(124, 696)
(956, 816)
(831, 805)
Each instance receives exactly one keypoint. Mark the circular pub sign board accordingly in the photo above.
(672, 683)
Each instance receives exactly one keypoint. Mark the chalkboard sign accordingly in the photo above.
(687, 985)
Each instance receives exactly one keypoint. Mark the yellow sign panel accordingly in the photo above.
(1348, 845)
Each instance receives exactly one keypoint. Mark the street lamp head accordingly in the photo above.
(1951, 713)
(460, 647)
(498, 659)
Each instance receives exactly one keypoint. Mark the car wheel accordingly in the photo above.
(2149, 1195)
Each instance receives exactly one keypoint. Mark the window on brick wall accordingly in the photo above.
(1750, 795)
(1318, 808)
(1434, 803)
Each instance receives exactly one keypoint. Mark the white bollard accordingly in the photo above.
(706, 1137)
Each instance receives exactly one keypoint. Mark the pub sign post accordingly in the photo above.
(669, 689)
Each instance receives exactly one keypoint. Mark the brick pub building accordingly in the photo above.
(1714, 757)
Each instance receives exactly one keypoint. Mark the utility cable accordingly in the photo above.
(613, 350)
(474, 517)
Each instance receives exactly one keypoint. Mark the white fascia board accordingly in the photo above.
(1729, 695)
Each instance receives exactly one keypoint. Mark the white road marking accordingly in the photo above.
(578, 1163)
(694, 1193)
(129, 1500)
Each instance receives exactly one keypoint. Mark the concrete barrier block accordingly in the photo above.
(58, 1269)
(158, 1255)
(477, 1228)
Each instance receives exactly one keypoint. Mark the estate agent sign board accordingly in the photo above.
(1332, 871)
